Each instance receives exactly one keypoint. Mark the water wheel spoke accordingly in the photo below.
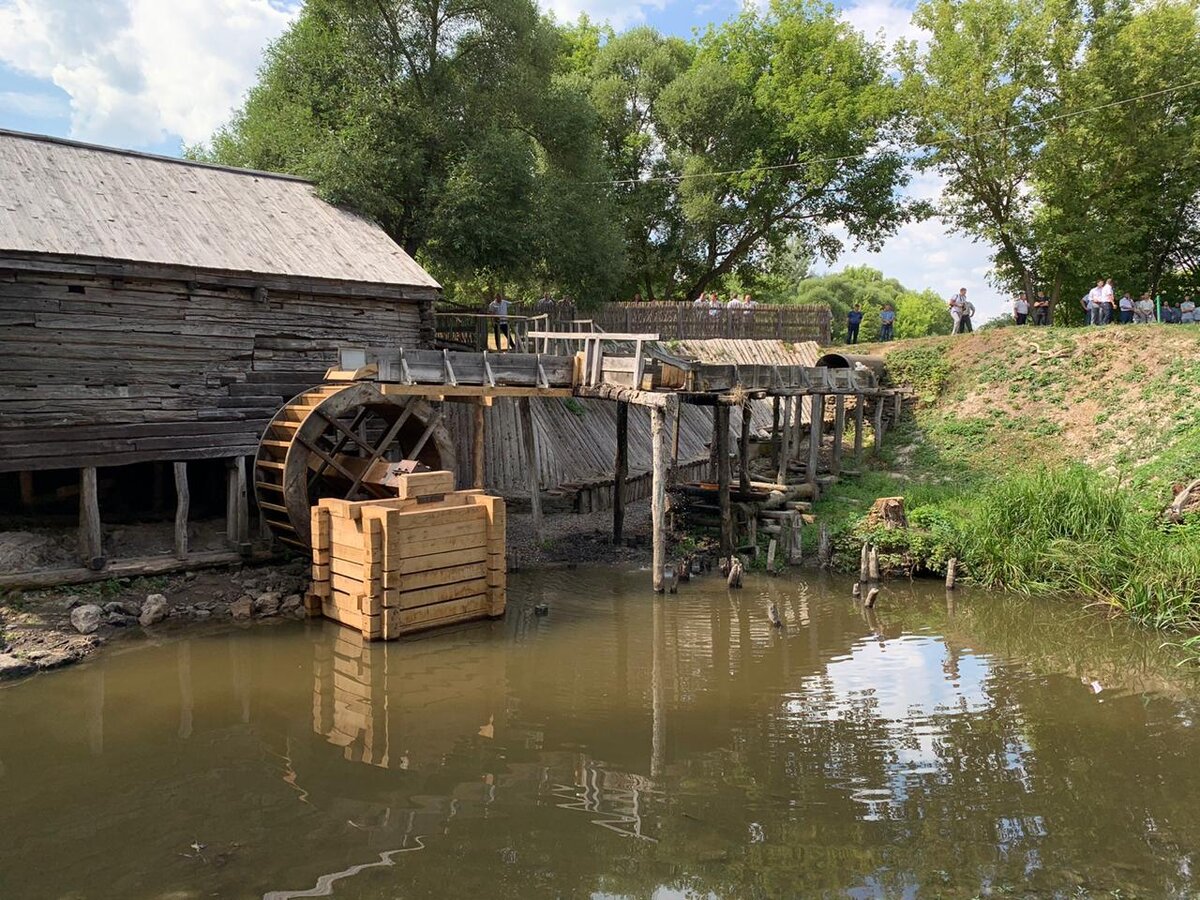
(338, 445)
(312, 448)
(388, 439)
(433, 423)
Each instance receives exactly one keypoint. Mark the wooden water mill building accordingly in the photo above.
(156, 313)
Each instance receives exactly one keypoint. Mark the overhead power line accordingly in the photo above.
(955, 140)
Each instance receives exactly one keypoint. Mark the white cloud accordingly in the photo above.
(618, 13)
(33, 106)
(883, 18)
(140, 71)
(928, 255)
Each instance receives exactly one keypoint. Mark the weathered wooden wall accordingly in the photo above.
(576, 441)
(97, 370)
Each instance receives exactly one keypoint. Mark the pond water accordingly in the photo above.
(620, 746)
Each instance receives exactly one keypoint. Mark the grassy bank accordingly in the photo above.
(1042, 460)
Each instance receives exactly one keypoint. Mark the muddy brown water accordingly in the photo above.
(620, 746)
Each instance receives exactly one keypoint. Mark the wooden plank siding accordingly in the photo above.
(104, 371)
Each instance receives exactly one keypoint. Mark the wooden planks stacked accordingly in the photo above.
(432, 556)
(349, 698)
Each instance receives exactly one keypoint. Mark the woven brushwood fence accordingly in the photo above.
(674, 321)
(682, 321)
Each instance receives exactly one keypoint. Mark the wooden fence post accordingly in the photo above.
(878, 423)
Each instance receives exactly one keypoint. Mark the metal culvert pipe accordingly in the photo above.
(852, 360)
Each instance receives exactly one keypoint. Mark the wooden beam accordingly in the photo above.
(182, 499)
(621, 470)
(658, 493)
(859, 409)
(124, 568)
(816, 425)
(744, 451)
(478, 456)
(440, 391)
(91, 544)
(525, 412)
(839, 431)
(721, 415)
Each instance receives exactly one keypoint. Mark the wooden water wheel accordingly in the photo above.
(333, 441)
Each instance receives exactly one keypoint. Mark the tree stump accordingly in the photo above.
(888, 512)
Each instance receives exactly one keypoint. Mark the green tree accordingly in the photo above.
(450, 123)
(918, 314)
(1063, 198)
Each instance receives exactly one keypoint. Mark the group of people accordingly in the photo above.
(962, 313)
(712, 302)
(887, 323)
(1102, 306)
(1039, 309)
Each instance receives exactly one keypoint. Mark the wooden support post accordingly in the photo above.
(675, 442)
(721, 416)
(859, 402)
(621, 469)
(91, 544)
(744, 451)
(477, 451)
(776, 438)
(182, 498)
(878, 424)
(531, 465)
(898, 401)
(816, 425)
(782, 434)
(658, 493)
(714, 452)
(237, 506)
(839, 431)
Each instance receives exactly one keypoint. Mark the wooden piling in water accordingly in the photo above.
(721, 417)
(621, 469)
(658, 493)
(531, 465)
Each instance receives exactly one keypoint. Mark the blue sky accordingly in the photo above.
(156, 74)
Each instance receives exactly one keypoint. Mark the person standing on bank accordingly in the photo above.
(499, 308)
(1108, 300)
(887, 322)
(956, 308)
(1041, 309)
(1126, 308)
(1095, 304)
(853, 320)
(1021, 308)
(967, 311)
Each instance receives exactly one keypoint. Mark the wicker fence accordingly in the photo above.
(674, 321)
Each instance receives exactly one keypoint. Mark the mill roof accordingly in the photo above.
(81, 200)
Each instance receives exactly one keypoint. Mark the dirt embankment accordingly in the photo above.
(1120, 399)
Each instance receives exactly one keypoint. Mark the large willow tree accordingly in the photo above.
(450, 123)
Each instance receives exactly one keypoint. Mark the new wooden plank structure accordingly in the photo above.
(431, 556)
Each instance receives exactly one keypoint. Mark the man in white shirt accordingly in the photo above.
(735, 302)
(1021, 308)
(1107, 301)
(956, 307)
(1187, 310)
(1095, 301)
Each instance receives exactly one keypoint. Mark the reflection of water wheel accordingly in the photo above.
(322, 443)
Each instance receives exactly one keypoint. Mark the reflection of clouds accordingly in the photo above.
(903, 695)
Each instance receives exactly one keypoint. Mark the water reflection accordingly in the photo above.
(621, 746)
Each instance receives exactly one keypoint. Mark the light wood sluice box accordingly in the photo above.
(431, 556)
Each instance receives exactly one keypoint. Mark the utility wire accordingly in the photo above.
(954, 140)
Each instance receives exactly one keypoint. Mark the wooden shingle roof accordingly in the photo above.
(78, 200)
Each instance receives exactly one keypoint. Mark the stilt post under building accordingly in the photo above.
(658, 492)
(744, 451)
(182, 500)
(477, 448)
(859, 402)
(721, 415)
(91, 544)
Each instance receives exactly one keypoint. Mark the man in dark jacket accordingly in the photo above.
(853, 320)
